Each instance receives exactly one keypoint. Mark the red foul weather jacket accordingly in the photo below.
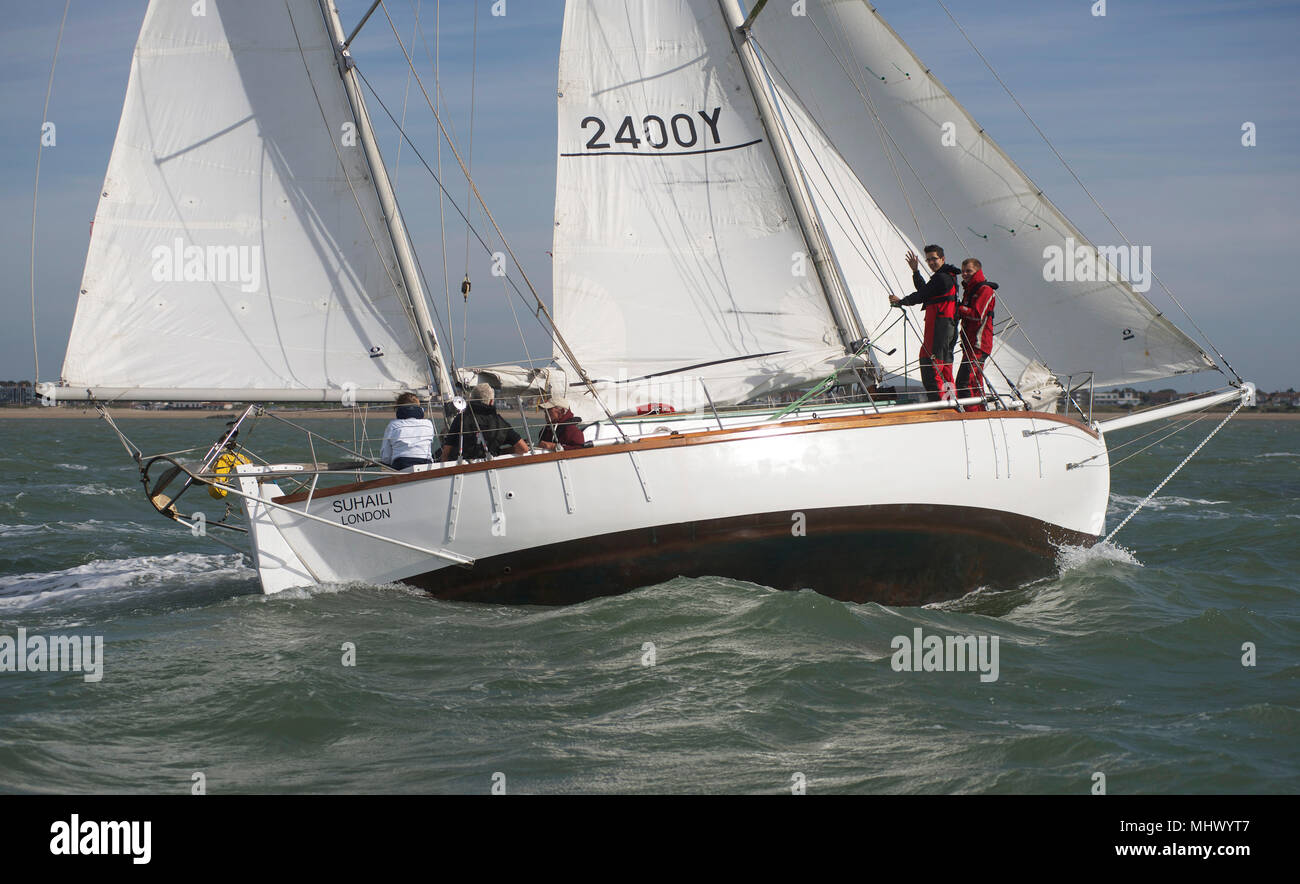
(976, 312)
(939, 297)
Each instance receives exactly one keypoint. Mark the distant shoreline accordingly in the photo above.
(384, 413)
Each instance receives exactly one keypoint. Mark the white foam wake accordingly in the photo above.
(120, 577)
(1072, 558)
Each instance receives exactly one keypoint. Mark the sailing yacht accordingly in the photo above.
(723, 232)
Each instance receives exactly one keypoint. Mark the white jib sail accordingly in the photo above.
(677, 253)
(841, 59)
(868, 247)
(239, 249)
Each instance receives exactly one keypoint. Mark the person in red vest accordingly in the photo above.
(976, 314)
(939, 297)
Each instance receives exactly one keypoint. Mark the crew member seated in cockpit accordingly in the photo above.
(478, 426)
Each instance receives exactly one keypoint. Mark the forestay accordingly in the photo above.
(842, 60)
(239, 248)
(677, 253)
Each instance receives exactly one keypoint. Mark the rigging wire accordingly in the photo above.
(1079, 181)
(406, 94)
(882, 131)
(469, 202)
(442, 187)
(469, 153)
(434, 57)
(869, 256)
(556, 335)
(442, 205)
(36, 185)
(1165, 481)
(864, 94)
(466, 285)
(1191, 423)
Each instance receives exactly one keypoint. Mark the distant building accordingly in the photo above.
(1160, 397)
(1280, 399)
(1126, 398)
(16, 393)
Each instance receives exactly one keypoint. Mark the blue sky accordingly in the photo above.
(1147, 103)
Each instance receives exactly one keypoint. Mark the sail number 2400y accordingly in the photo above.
(657, 133)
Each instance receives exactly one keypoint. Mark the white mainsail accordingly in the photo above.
(840, 59)
(239, 249)
(678, 255)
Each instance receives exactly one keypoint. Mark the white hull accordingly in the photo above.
(903, 509)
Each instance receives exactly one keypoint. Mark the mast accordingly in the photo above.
(828, 273)
(414, 290)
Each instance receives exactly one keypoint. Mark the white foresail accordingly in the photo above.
(868, 247)
(678, 255)
(239, 247)
(840, 59)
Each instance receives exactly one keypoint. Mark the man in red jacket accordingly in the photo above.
(976, 313)
(939, 297)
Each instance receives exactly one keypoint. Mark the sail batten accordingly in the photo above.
(239, 244)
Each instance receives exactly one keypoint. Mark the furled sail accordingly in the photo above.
(678, 255)
(239, 249)
(897, 128)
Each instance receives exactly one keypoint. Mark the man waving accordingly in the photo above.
(939, 298)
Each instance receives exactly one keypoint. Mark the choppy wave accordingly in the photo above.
(83, 526)
(1161, 502)
(119, 578)
(746, 683)
(99, 488)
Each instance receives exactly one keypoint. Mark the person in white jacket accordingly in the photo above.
(409, 439)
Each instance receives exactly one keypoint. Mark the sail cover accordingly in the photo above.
(896, 127)
(239, 250)
(678, 256)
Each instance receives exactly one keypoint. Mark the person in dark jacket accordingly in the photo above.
(479, 432)
(976, 314)
(939, 298)
(561, 426)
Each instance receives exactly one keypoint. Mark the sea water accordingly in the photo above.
(1166, 662)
